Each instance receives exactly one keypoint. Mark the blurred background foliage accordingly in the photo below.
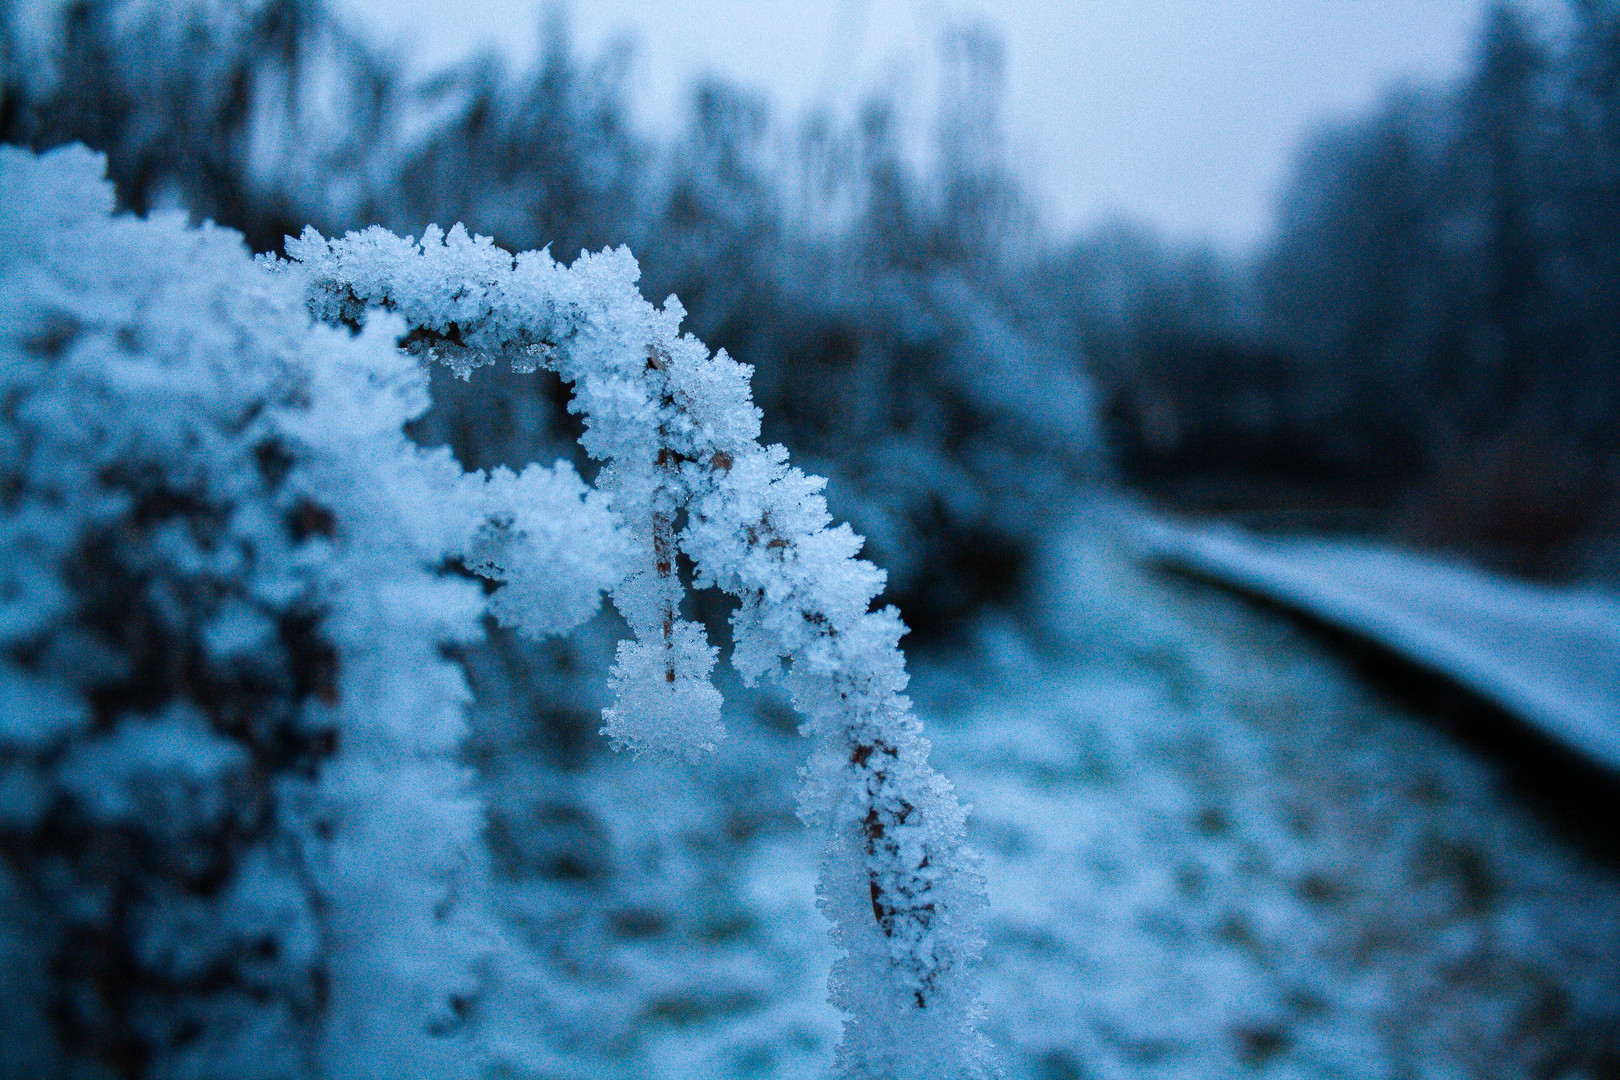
(1425, 346)
(873, 298)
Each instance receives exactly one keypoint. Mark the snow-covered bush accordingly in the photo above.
(236, 838)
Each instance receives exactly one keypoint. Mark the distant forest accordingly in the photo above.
(1428, 344)
(1425, 347)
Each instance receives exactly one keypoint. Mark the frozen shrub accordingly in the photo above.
(235, 838)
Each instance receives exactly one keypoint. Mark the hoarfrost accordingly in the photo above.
(229, 743)
(677, 429)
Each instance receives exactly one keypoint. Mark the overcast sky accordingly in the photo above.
(1179, 112)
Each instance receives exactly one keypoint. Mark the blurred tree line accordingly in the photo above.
(1430, 335)
(1426, 343)
(872, 295)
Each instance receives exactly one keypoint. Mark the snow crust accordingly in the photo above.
(1548, 656)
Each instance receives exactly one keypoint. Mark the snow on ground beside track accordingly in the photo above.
(1211, 853)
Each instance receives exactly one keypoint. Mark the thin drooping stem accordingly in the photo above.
(677, 429)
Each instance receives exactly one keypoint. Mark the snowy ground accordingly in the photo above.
(1211, 853)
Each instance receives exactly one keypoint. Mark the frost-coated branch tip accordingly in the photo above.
(678, 431)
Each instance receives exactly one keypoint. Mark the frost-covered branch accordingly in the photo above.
(686, 473)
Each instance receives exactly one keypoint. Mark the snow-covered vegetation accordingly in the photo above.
(237, 840)
(308, 694)
(236, 817)
(686, 475)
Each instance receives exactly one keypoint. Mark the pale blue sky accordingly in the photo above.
(1179, 112)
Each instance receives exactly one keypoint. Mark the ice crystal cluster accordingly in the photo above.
(236, 839)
